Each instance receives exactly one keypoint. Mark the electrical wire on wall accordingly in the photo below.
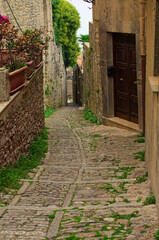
(14, 16)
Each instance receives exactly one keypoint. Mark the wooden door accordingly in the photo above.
(125, 88)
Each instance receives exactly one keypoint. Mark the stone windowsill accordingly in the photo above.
(154, 83)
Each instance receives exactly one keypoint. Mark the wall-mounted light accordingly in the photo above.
(89, 1)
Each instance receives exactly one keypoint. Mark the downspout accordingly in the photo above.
(143, 55)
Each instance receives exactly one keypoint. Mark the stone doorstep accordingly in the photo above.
(121, 123)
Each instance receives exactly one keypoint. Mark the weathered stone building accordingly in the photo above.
(123, 33)
(112, 71)
(33, 14)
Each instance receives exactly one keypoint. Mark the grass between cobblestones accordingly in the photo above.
(88, 115)
(10, 176)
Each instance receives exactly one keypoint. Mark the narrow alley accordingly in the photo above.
(92, 185)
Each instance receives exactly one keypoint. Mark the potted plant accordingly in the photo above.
(12, 61)
(30, 44)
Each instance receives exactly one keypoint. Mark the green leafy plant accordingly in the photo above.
(47, 91)
(156, 235)
(88, 93)
(66, 23)
(141, 179)
(149, 200)
(10, 176)
(49, 111)
(140, 155)
(72, 237)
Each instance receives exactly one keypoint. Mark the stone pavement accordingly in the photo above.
(85, 189)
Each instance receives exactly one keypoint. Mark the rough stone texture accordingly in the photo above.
(152, 99)
(38, 14)
(21, 120)
(4, 85)
(81, 186)
(108, 17)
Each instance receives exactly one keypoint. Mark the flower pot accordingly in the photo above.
(38, 60)
(6, 55)
(30, 69)
(17, 79)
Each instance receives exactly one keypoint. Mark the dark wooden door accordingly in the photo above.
(126, 104)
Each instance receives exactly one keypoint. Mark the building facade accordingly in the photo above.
(33, 14)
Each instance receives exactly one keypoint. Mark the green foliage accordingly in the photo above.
(88, 93)
(117, 216)
(97, 91)
(49, 111)
(66, 23)
(149, 200)
(156, 235)
(47, 91)
(141, 179)
(88, 115)
(17, 65)
(72, 237)
(83, 38)
(140, 155)
(52, 216)
(10, 176)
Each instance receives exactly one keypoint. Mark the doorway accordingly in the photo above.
(125, 87)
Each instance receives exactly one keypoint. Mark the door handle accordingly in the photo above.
(138, 81)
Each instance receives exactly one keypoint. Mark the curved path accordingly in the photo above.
(86, 187)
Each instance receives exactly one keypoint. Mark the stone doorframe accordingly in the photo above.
(106, 52)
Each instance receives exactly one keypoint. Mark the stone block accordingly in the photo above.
(4, 85)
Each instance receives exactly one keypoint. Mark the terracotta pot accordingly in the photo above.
(17, 79)
(30, 69)
(38, 60)
(6, 55)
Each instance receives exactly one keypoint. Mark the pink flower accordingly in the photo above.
(3, 18)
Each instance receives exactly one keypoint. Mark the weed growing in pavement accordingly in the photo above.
(141, 179)
(141, 138)
(140, 155)
(97, 234)
(156, 235)
(78, 219)
(73, 237)
(52, 216)
(117, 216)
(149, 200)
(10, 176)
(139, 200)
(109, 188)
(88, 115)
(126, 200)
(125, 172)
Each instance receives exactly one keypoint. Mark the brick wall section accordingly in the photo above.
(21, 120)
(38, 14)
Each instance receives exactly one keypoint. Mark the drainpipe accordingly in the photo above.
(143, 55)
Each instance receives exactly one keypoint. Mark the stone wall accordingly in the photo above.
(152, 95)
(38, 14)
(92, 88)
(109, 16)
(21, 120)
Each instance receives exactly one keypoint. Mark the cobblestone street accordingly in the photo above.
(90, 186)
